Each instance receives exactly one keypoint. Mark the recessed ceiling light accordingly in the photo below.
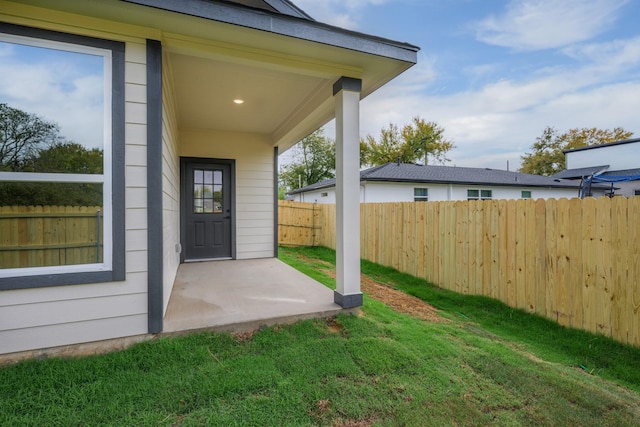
(239, 101)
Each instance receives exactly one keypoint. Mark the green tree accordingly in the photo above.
(314, 159)
(31, 144)
(22, 135)
(65, 157)
(419, 140)
(547, 157)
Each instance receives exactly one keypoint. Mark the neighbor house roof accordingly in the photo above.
(406, 172)
(596, 146)
(580, 172)
(624, 172)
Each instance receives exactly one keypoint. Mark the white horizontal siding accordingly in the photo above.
(136, 219)
(170, 183)
(381, 192)
(618, 157)
(72, 333)
(72, 310)
(136, 283)
(135, 134)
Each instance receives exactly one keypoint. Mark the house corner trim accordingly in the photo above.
(154, 187)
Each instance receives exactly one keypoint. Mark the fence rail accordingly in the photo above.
(38, 236)
(571, 260)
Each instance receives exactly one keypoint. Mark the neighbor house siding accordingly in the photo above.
(170, 182)
(617, 156)
(53, 316)
(380, 192)
(254, 211)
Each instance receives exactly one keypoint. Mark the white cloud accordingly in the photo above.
(614, 54)
(545, 24)
(500, 121)
(57, 93)
(340, 13)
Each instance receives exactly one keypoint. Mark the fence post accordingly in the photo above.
(98, 228)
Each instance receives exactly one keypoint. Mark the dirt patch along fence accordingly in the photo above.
(38, 236)
(571, 260)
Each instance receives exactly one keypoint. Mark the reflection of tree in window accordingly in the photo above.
(29, 143)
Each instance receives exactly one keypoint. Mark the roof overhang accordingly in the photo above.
(283, 66)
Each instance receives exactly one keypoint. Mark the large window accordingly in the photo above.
(61, 131)
(479, 194)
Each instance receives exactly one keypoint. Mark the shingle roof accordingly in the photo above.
(405, 172)
(284, 7)
(625, 172)
(579, 172)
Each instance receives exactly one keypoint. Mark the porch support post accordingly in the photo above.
(347, 98)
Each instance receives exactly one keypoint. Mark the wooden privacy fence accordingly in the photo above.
(571, 260)
(298, 223)
(37, 236)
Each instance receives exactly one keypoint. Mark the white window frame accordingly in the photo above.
(106, 178)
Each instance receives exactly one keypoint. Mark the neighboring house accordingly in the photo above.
(402, 182)
(197, 98)
(616, 164)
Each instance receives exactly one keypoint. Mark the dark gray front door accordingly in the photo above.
(206, 210)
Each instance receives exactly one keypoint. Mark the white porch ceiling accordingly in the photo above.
(205, 90)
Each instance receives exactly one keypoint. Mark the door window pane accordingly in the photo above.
(207, 191)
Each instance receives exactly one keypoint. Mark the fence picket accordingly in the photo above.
(574, 261)
(38, 236)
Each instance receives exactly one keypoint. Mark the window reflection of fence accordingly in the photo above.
(39, 236)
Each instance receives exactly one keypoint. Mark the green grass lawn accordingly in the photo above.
(486, 364)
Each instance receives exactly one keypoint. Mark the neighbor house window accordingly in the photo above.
(636, 192)
(420, 194)
(479, 194)
(324, 194)
(525, 194)
(57, 148)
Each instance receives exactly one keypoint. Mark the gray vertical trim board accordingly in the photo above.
(118, 159)
(154, 186)
(117, 273)
(275, 202)
(347, 83)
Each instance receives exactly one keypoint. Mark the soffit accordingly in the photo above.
(212, 61)
(205, 90)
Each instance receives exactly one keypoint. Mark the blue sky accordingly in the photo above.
(59, 86)
(495, 73)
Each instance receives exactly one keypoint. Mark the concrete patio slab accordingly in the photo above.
(242, 295)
